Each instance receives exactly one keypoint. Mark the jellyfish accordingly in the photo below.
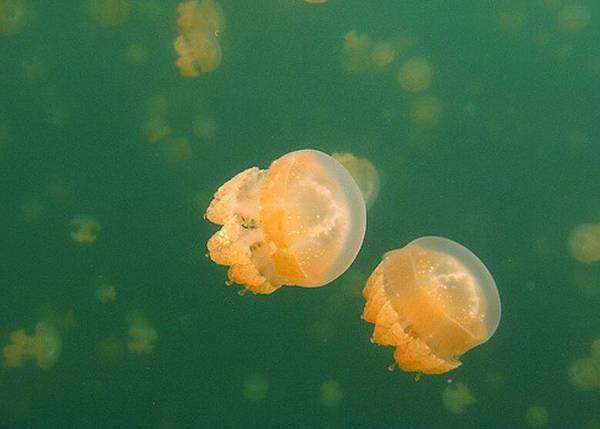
(415, 74)
(357, 48)
(426, 111)
(200, 23)
(13, 16)
(382, 54)
(433, 300)
(584, 243)
(457, 397)
(85, 229)
(106, 293)
(45, 347)
(573, 17)
(142, 335)
(300, 222)
(364, 174)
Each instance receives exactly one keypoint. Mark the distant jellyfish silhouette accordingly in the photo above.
(85, 229)
(45, 347)
(364, 174)
(300, 222)
(200, 23)
(433, 300)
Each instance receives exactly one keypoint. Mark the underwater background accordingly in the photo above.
(499, 150)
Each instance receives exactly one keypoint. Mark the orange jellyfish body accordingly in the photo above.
(301, 222)
(433, 300)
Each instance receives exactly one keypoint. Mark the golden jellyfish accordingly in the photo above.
(584, 243)
(106, 293)
(200, 23)
(433, 300)
(357, 48)
(382, 54)
(85, 229)
(142, 335)
(300, 222)
(13, 16)
(364, 174)
(45, 347)
(457, 398)
(573, 17)
(415, 74)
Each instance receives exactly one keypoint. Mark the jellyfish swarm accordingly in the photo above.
(45, 346)
(433, 300)
(301, 222)
(200, 24)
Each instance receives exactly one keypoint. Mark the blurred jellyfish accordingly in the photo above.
(584, 243)
(106, 293)
(200, 23)
(537, 416)
(85, 229)
(573, 17)
(415, 74)
(109, 13)
(426, 111)
(13, 16)
(382, 54)
(142, 335)
(255, 387)
(45, 347)
(204, 128)
(331, 394)
(457, 398)
(433, 300)
(357, 49)
(156, 129)
(301, 222)
(584, 374)
(364, 174)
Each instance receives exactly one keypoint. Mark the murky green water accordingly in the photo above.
(508, 164)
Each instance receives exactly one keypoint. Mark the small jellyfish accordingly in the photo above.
(45, 346)
(382, 54)
(433, 300)
(156, 129)
(584, 243)
(142, 335)
(204, 128)
(457, 398)
(13, 16)
(85, 229)
(415, 74)
(200, 24)
(300, 222)
(573, 17)
(357, 49)
(364, 174)
(136, 54)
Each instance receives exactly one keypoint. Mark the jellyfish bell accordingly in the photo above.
(433, 300)
(46, 345)
(300, 222)
(364, 174)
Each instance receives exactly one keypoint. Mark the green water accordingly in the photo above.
(510, 169)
